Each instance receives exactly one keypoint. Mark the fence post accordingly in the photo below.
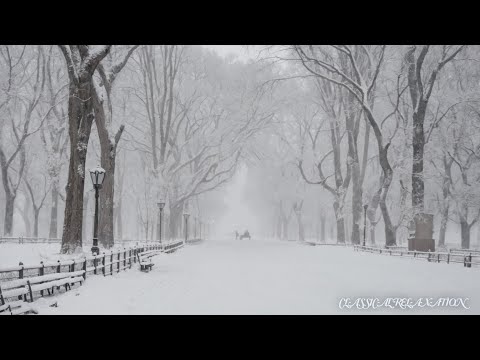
(124, 259)
(41, 272)
(111, 262)
(72, 267)
(85, 269)
(118, 263)
(103, 263)
(438, 257)
(95, 265)
(58, 267)
(448, 257)
(470, 260)
(130, 257)
(135, 254)
(30, 291)
(464, 261)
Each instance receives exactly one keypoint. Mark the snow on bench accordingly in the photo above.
(145, 260)
(20, 288)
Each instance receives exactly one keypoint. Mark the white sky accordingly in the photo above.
(239, 50)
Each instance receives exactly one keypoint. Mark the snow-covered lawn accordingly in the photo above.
(32, 254)
(269, 277)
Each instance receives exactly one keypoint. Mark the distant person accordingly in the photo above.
(246, 234)
(236, 235)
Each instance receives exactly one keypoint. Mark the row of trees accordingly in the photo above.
(391, 127)
(178, 118)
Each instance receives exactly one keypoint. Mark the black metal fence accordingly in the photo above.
(465, 257)
(107, 263)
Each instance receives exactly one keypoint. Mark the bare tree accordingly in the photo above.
(420, 94)
(108, 70)
(82, 61)
(20, 74)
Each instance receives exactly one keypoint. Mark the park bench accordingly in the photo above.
(23, 289)
(145, 259)
(5, 309)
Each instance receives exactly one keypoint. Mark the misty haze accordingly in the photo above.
(239, 179)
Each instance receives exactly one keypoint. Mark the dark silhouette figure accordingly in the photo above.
(246, 234)
(236, 235)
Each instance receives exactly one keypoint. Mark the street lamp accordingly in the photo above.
(160, 205)
(364, 223)
(186, 215)
(97, 175)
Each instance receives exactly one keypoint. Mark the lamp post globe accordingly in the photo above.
(97, 175)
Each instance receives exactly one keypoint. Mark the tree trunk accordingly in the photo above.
(353, 162)
(119, 220)
(443, 226)
(35, 223)
(54, 214)
(390, 232)
(9, 206)
(105, 223)
(278, 228)
(85, 217)
(284, 229)
(301, 229)
(80, 114)
(372, 232)
(322, 229)
(175, 221)
(340, 223)
(418, 186)
(465, 232)
(26, 218)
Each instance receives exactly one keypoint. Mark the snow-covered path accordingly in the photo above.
(269, 277)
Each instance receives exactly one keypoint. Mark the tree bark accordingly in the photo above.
(81, 64)
(298, 214)
(36, 214)
(9, 207)
(322, 229)
(54, 214)
(465, 233)
(443, 226)
(80, 114)
(340, 223)
(175, 221)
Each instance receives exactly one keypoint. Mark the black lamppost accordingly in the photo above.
(161, 205)
(97, 175)
(186, 215)
(364, 223)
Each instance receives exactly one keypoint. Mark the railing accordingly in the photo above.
(466, 259)
(327, 244)
(107, 263)
(29, 240)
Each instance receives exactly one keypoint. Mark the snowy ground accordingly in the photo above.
(32, 254)
(269, 277)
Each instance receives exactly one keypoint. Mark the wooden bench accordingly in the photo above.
(22, 289)
(145, 259)
(5, 309)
